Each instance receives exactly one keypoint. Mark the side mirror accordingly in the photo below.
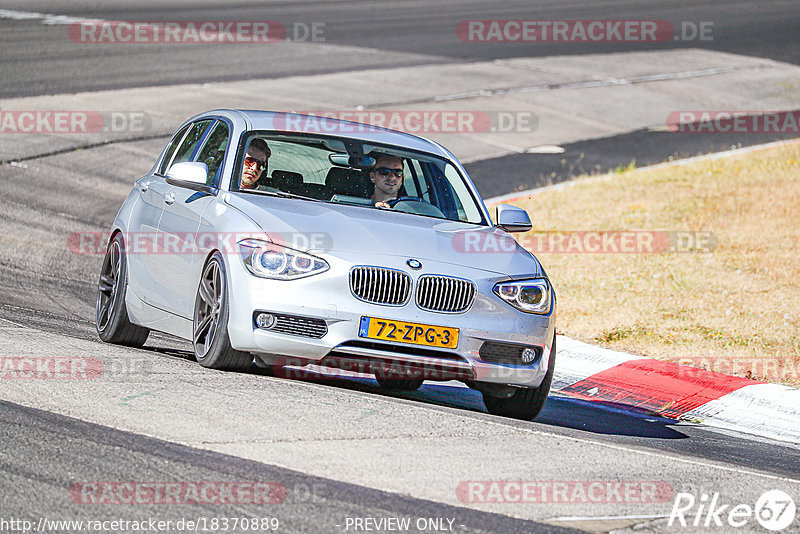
(189, 174)
(512, 219)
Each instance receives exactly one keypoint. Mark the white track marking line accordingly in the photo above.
(15, 324)
(46, 18)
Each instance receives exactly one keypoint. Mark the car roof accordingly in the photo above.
(277, 121)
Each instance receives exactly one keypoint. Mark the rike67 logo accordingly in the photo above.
(775, 510)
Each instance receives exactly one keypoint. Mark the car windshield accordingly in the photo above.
(356, 173)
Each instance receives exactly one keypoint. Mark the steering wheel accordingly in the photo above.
(395, 201)
(416, 206)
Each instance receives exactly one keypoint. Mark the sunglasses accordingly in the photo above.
(386, 171)
(260, 165)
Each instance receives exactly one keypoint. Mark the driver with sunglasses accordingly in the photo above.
(255, 163)
(387, 175)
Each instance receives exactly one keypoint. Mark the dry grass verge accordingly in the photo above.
(734, 309)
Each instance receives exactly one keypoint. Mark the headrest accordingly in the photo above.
(345, 181)
(286, 180)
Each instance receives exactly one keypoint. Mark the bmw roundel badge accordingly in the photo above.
(414, 264)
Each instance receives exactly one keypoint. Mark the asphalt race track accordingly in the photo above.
(343, 449)
(413, 32)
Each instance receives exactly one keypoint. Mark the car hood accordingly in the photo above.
(325, 227)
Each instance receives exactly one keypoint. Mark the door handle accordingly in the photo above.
(169, 198)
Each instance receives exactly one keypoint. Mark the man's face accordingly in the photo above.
(385, 175)
(251, 171)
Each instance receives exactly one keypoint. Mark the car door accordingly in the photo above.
(179, 268)
(151, 250)
(143, 225)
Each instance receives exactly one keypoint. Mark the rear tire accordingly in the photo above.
(111, 315)
(210, 339)
(525, 403)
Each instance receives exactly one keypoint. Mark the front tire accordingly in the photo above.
(210, 339)
(525, 403)
(111, 316)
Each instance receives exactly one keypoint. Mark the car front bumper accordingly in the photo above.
(327, 297)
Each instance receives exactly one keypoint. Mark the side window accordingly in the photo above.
(185, 151)
(173, 146)
(214, 151)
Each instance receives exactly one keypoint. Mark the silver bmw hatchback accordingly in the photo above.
(286, 240)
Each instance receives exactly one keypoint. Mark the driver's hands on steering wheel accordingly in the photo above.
(381, 204)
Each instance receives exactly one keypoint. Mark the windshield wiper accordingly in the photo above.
(279, 193)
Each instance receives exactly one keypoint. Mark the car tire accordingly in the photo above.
(210, 339)
(111, 315)
(525, 403)
(399, 384)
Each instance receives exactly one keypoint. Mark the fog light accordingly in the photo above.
(265, 320)
(528, 355)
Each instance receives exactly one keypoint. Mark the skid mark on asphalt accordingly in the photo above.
(15, 162)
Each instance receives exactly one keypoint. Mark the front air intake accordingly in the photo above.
(293, 325)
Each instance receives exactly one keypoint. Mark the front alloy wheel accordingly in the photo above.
(212, 345)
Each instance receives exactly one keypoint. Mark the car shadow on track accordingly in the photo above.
(559, 411)
(606, 418)
(593, 417)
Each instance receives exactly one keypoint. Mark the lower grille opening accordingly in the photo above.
(405, 349)
(508, 353)
(391, 368)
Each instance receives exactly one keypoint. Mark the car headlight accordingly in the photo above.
(531, 296)
(270, 260)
